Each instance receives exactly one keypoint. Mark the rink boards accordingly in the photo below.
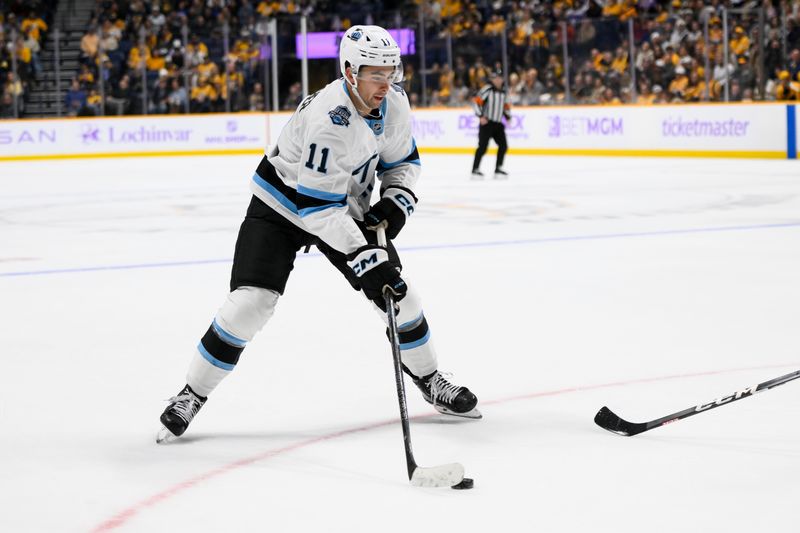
(764, 130)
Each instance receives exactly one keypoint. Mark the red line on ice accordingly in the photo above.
(119, 519)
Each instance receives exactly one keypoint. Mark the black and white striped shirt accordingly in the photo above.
(491, 103)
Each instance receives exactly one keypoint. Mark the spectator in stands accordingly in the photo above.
(13, 86)
(75, 99)
(773, 58)
(94, 103)
(157, 19)
(532, 89)
(159, 97)
(793, 67)
(118, 102)
(138, 56)
(231, 85)
(204, 97)
(85, 77)
(32, 44)
(783, 91)
(294, 96)
(34, 24)
(7, 106)
(736, 91)
(109, 37)
(660, 95)
(740, 43)
(90, 44)
(24, 60)
(178, 97)
(256, 100)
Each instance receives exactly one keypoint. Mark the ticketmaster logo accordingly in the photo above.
(675, 127)
(559, 126)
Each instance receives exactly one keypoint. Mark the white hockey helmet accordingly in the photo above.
(370, 46)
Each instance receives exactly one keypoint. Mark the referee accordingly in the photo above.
(491, 105)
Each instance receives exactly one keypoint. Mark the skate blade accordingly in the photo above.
(474, 414)
(165, 436)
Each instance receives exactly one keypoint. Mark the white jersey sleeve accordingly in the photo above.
(399, 163)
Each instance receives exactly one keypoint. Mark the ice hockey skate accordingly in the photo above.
(179, 414)
(447, 398)
(500, 174)
(476, 174)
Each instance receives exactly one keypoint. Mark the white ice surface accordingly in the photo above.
(550, 295)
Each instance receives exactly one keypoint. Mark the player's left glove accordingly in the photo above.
(375, 273)
(393, 209)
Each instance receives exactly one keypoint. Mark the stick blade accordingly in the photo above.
(608, 420)
(438, 476)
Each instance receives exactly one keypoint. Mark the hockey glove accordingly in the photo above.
(375, 273)
(394, 208)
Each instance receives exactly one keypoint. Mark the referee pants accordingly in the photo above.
(491, 130)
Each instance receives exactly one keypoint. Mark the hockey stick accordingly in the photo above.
(419, 476)
(606, 419)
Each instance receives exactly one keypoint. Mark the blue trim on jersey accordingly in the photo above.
(419, 342)
(213, 360)
(309, 210)
(386, 166)
(227, 337)
(321, 195)
(285, 202)
(411, 322)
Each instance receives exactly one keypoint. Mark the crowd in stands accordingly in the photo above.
(23, 28)
(178, 56)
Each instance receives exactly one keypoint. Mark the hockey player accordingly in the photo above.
(314, 188)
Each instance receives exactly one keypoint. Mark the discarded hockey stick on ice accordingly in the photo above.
(606, 419)
(420, 476)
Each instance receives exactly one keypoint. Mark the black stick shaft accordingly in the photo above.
(398, 369)
(738, 395)
(608, 420)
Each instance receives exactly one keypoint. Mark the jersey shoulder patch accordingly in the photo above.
(340, 116)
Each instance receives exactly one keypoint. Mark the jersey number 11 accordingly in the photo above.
(312, 152)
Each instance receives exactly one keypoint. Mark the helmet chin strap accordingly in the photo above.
(354, 91)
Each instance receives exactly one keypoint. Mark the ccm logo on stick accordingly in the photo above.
(726, 399)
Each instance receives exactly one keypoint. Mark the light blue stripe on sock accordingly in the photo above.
(410, 323)
(420, 342)
(213, 360)
(227, 337)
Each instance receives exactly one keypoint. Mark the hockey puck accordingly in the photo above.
(466, 483)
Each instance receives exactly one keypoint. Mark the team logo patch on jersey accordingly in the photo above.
(340, 116)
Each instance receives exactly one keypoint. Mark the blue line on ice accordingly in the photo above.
(515, 242)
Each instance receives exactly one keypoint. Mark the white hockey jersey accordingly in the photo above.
(327, 159)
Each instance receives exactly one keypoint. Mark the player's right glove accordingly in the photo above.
(392, 210)
(371, 265)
